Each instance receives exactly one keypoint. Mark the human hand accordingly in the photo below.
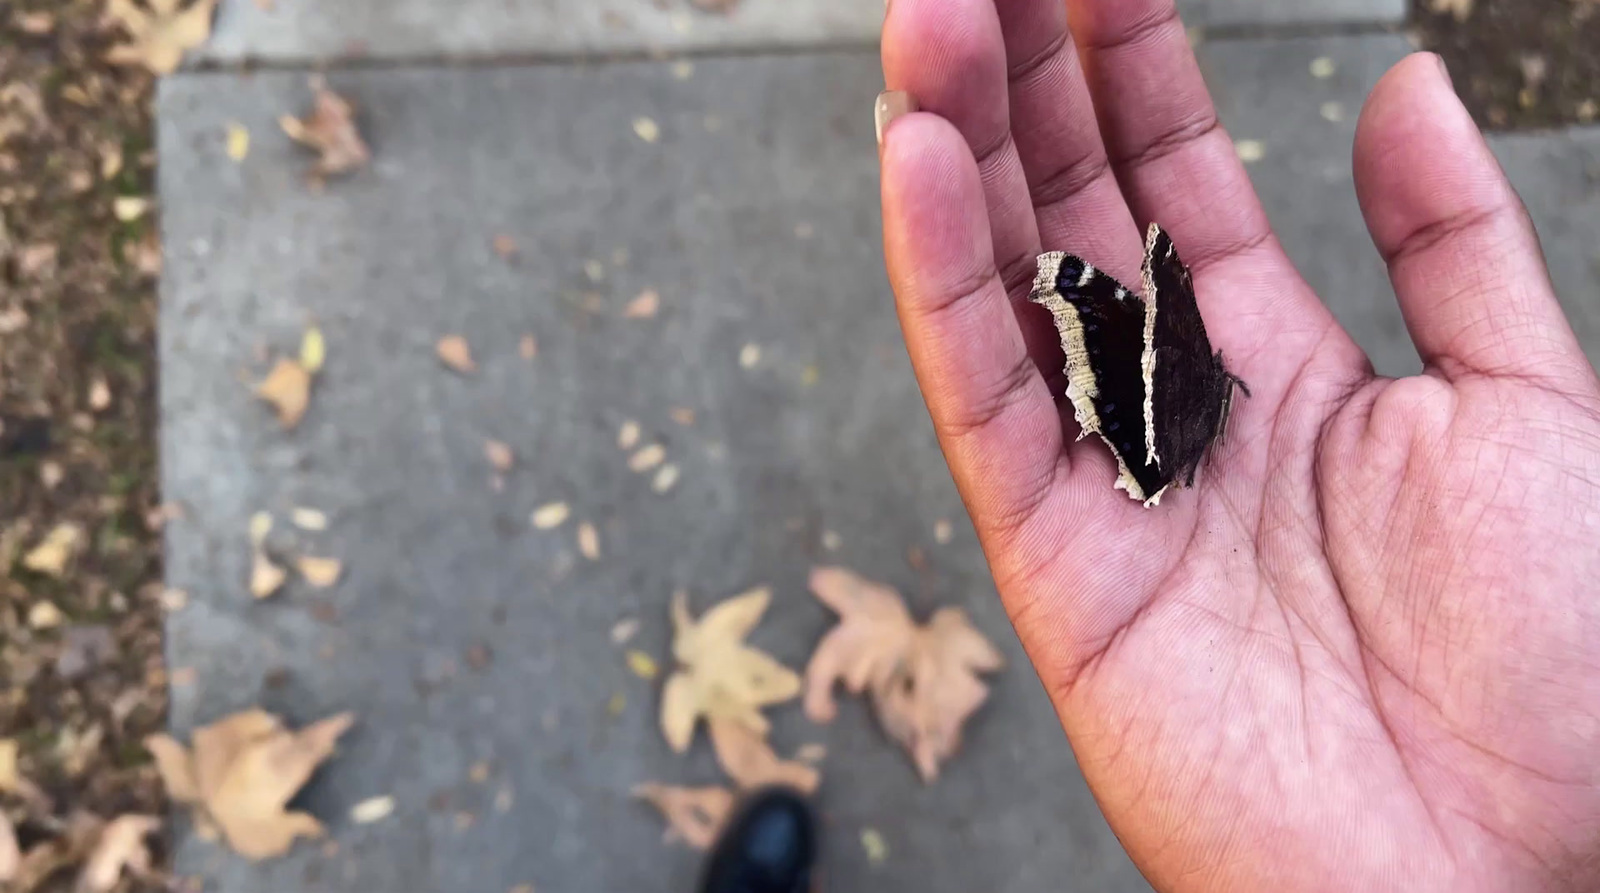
(1364, 652)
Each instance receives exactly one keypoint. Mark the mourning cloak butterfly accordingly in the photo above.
(1140, 373)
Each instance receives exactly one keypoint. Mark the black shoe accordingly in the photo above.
(768, 847)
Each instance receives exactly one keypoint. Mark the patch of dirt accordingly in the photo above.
(1518, 64)
(81, 674)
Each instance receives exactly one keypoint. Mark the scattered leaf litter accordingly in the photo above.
(923, 681)
(241, 773)
(750, 356)
(694, 815)
(1250, 151)
(588, 541)
(331, 131)
(500, 455)
(623, 631)
(456, 353)
(666, 478)
(373, 809)
(628, 435)
(550, 515)
(719, 675)
(321, 573)
(238, 140)
(647, 458)
(643, 665)
(1323, 67)
(310, 519)
(644, 306)
(160, 32)
(646, 129)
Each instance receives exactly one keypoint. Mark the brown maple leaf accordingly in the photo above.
(331, 131)
(161, 34)
(242, 772)
(750, 761)
(923, 681)
(719, 675)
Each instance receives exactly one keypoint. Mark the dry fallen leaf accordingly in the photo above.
(373, 809)
(749, 760)
(812, 753)
(454, 352)
(128, 208)
(238, 141)
(314, 520)
(1250, 151)
(8, 764)
(242, 772)
(646, 129)
(313, 350)
(528, 347)
(644, 306)
(331, 131)
(504, 246)
(500, 455)
(628, 435)
(624, 630)
(161, 33)
(45, 615)
(647, 458)
(319, 572)
(719, 675)
(694, 815)
(1461, 9)
(642, 665)
(550, 515)
(750, 356)
(121, 846)
(923, 681)
(666, 478)
(288, 388)
(10, 851)
(589, 541)
(1323, 67)
(52, 555)
(876, 848)
(266, 576)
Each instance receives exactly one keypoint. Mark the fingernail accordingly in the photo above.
(1444, 70)
(891, 104)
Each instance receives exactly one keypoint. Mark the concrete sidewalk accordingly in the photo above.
(460, 635)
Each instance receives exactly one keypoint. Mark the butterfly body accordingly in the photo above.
(1141, 373)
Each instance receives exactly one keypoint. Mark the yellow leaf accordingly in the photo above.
(128, 208)
(876, 847)
(288, 389)
(52, 555)
(719, 675)
(160, 35)
(313, 350)
(454, 352)
(238, 141)
(643, 665)
(319, 572)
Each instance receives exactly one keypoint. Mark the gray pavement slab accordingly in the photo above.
(755, 219)
(1305, 125)
(303, 30)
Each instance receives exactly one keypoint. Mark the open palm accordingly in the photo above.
(1364, 653)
